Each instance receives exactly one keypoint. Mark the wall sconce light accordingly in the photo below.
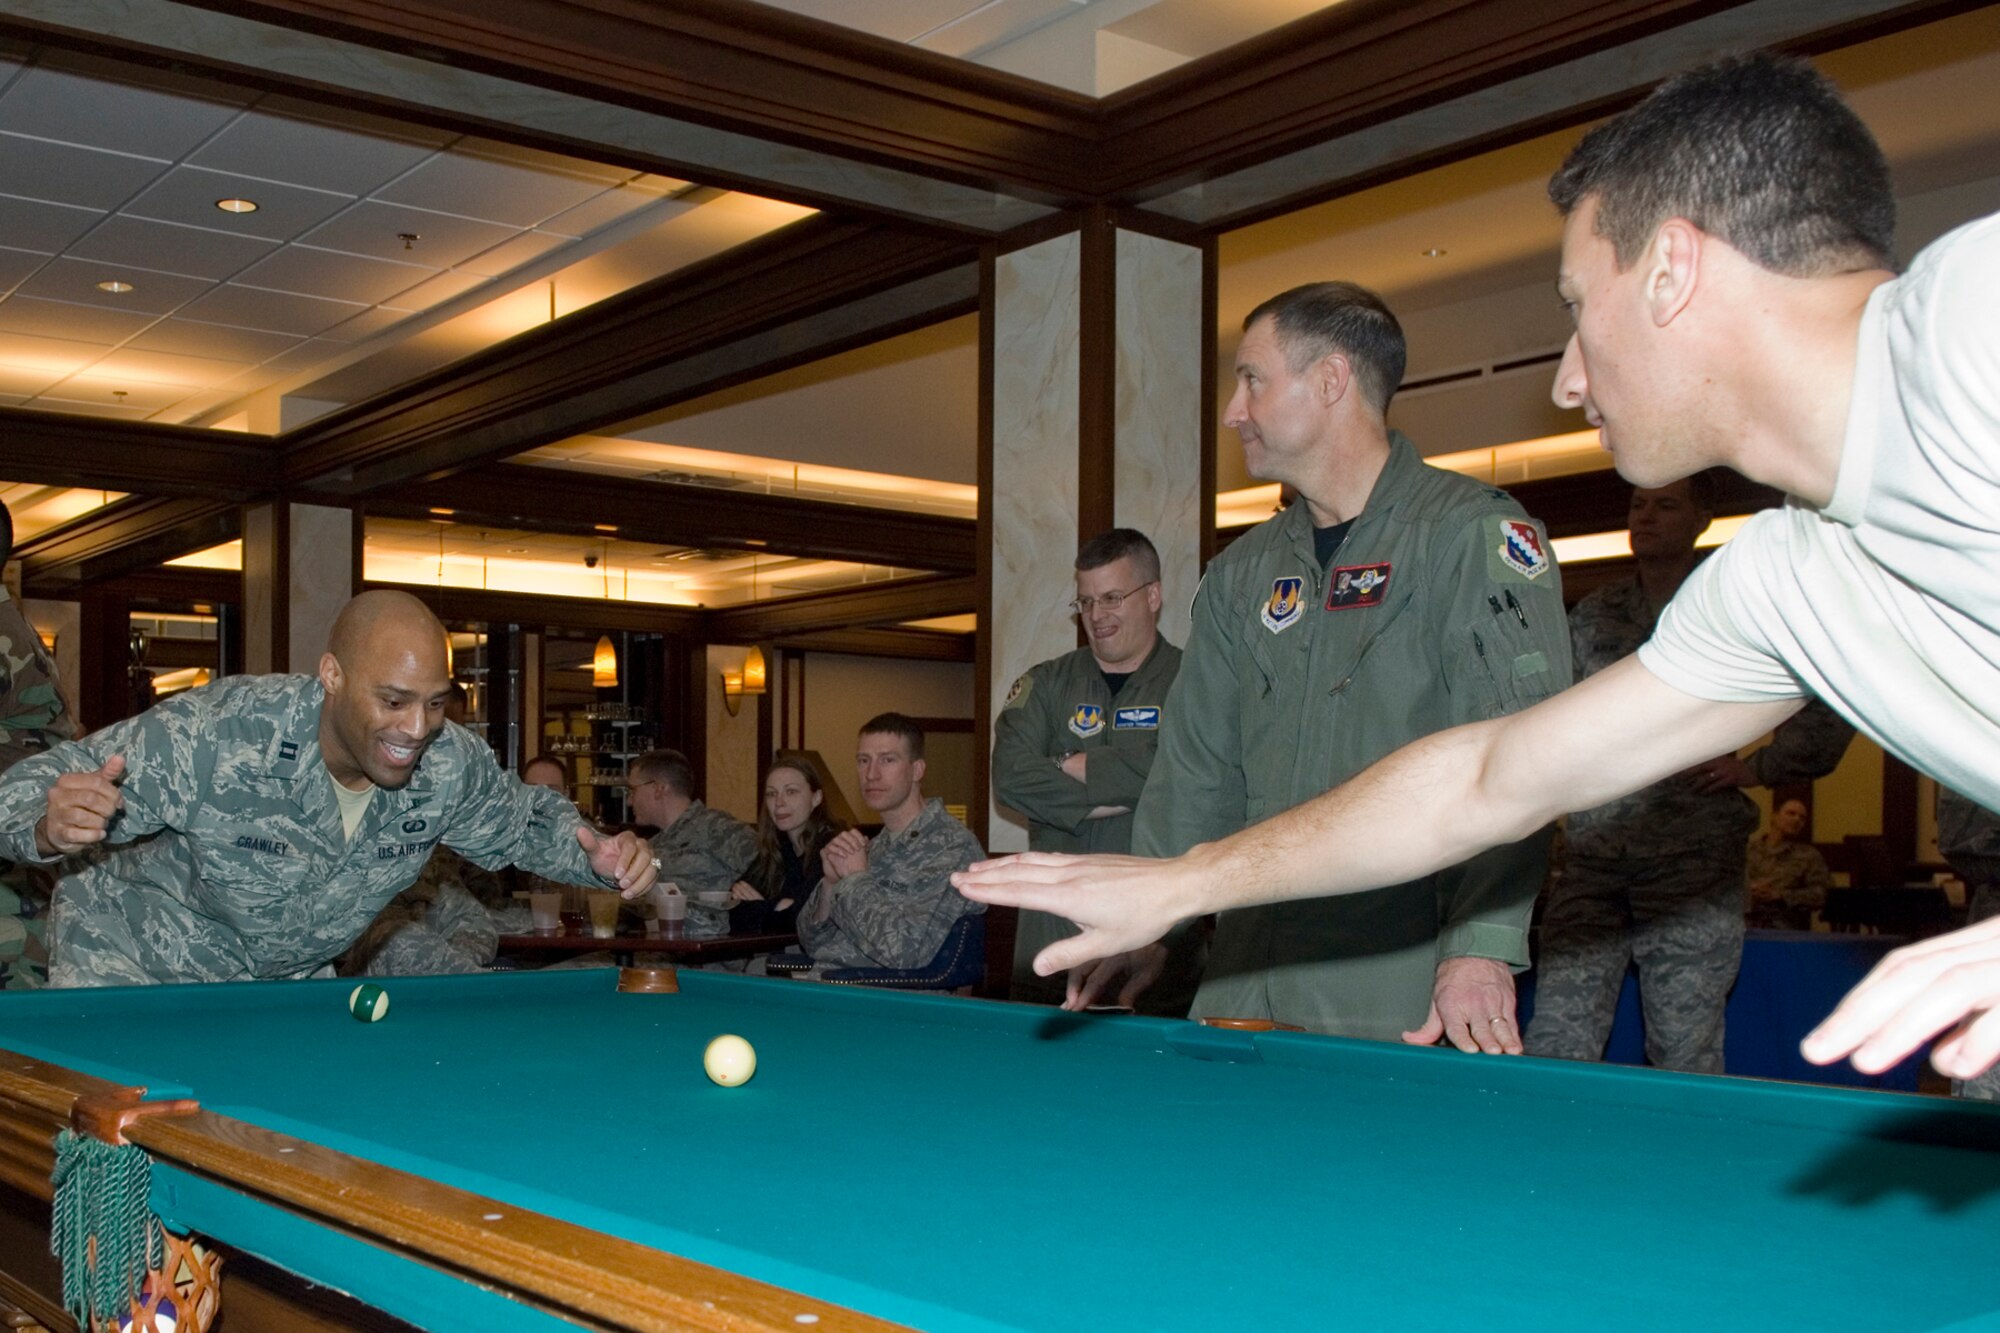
(747, 679)
(604, 665)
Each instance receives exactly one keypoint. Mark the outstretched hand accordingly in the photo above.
(80, 808)
(623, 859)
(1137, 970)
(1950, 981)
(1119, 903)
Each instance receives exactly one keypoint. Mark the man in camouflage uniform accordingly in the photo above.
(1788, 878)
(1076, 737)
(284, 811)
(888, 901)
(33, 716)
(1391, 600)
(1969, 838)
(1657, 878)
(700, 849)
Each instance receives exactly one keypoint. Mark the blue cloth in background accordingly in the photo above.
(1790, 980)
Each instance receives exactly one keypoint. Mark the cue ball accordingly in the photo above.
(369, 1003)
(729, 1060)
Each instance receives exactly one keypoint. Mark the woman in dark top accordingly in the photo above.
(792, 828)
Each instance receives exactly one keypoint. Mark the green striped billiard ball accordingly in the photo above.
(369, 1003)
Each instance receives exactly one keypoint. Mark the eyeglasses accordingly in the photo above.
(636, 787)
(1110, 601)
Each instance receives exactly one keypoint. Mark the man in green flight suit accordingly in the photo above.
(284, 811)
(1390, 600)
(1076, 738)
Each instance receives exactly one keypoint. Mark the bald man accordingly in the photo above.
(254, 827)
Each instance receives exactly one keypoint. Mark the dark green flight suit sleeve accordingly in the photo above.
(1115, 776)
(1025, 776)
(1195, 792)
(1496, 662)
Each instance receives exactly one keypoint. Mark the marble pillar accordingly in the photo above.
(1098, 343)
(301, 564)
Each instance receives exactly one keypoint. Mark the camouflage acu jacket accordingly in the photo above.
(235, 865)
(1670, 818)
(33, 713)
(1968, 837)
(705, 851)
(897, 912)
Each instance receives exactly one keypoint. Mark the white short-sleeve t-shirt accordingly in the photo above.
(1886, 603)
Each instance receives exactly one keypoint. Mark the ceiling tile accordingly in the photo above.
(18, 264)
(613, 204)
(299, 268)
(57, 356)
(273, 312)
(91, 409)
(76, 280)
(102, 113)
(310, 353)
(25, 380)
(33, 225)
(67, 174)
(187, 195)
(193, 338)
(367, 324)
(361, 122)
(310, 152)
(166, 368)
(442, 288)
(510, 255)
(485, 187)
(374, 228)
(197, 252)
(115, 391)
(63, 319)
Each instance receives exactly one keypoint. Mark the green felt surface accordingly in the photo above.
(964, 1166)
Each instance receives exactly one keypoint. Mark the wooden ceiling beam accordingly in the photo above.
(541, 499)
(125, 537)
(850, 608)
(61, 449)
(920, 645)
(799, 294)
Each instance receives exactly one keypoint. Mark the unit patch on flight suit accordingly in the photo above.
(1087, 720)
(1519, 551)
(1282, 608)
(1354, 586)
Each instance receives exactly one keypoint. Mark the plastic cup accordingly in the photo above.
(603, 913)
(546, 909)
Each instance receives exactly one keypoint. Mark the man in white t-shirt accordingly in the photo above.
(1726, 257)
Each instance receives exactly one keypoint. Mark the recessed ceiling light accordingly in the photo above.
(114, 286)
(517, 550)
(1434, 253)
(606, 527)
(237, 205)
(444, 513)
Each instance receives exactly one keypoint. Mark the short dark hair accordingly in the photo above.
(668, 766)
(897, 724)
(549, 759)
(1108, 548)
(1321, 318)
(1758, 150)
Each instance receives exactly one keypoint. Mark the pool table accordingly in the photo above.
(534, 1151)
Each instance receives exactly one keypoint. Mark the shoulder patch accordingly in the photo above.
(1023, 685)
(1516, 550)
